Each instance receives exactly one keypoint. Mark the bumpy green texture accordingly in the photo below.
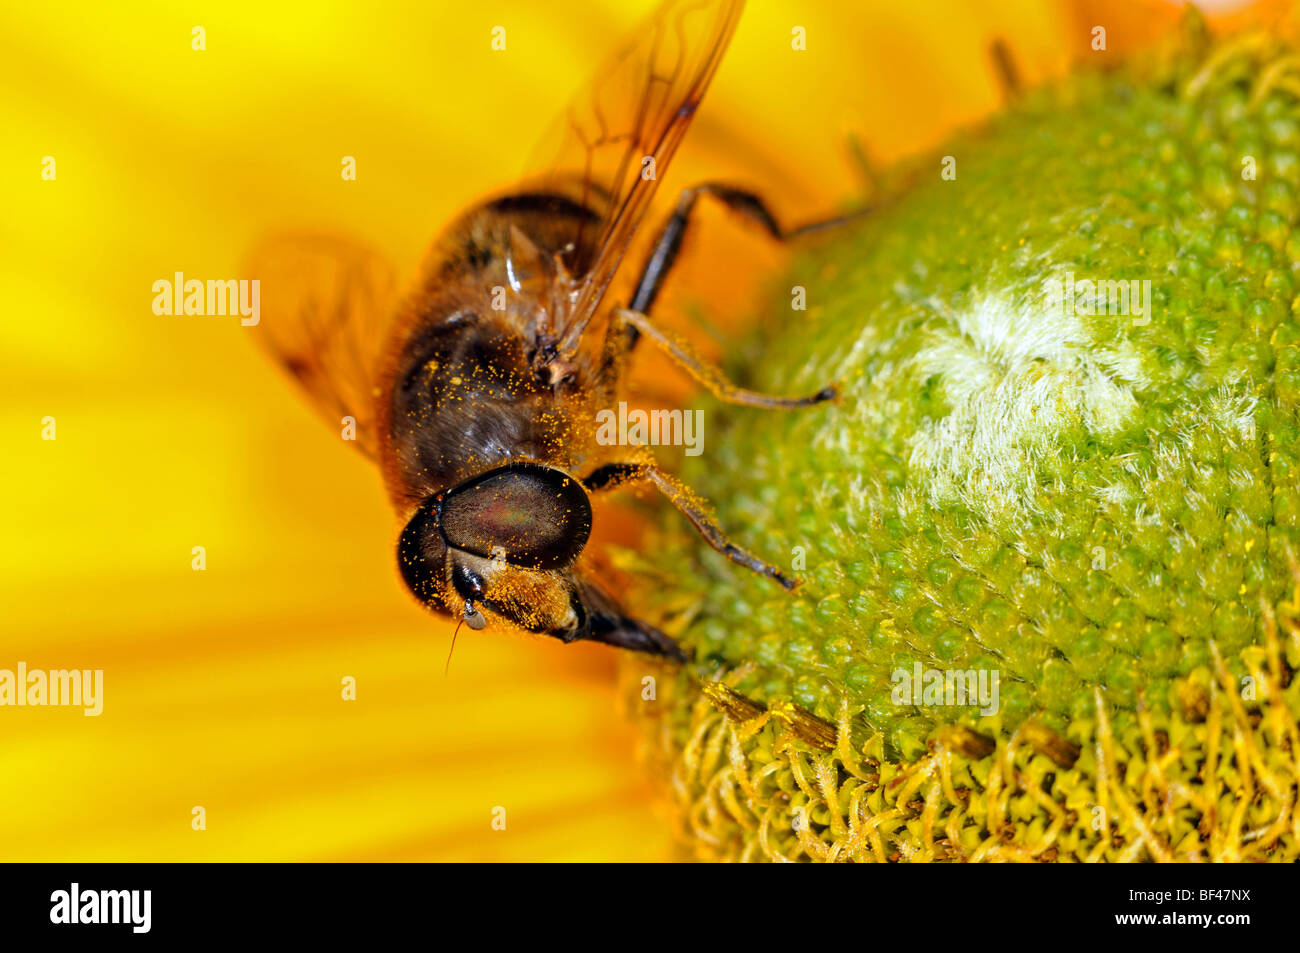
(1090, 504)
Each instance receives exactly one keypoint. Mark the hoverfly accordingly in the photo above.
(476, 392)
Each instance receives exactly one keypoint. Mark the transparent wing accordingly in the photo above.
(617, 138)
(326, 307)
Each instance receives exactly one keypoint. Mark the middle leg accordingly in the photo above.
(689, 505)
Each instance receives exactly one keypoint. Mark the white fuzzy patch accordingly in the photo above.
(1016, 374)
(1233, 412)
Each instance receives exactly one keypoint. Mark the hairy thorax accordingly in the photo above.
(475, 384)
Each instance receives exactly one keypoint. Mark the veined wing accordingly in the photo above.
(326, 308)
(617, 138)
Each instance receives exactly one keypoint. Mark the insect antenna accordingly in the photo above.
(447, 668)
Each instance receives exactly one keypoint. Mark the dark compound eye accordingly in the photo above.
(421, 552)
(539, 516)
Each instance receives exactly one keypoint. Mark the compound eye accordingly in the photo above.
(421, 555)
(538, 516)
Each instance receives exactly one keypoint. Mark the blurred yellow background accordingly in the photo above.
(222, 687)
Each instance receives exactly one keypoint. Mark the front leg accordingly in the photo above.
(689, 505)
(749, 205)
(599, 619)
(623, 332)
(709, 375)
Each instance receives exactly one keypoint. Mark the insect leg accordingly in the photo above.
(708, 374)
(689, 505)
(634, 322)
(1004, 65)
(601, 620)
(664, 254)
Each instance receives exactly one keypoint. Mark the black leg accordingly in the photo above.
(628, 327)
(601, 620)
(613, 474)
(664, 254)
(1004, 65)
(610, 475)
